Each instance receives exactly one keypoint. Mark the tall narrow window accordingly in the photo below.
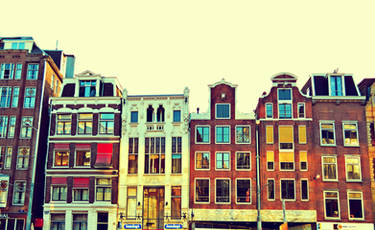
(176, 202)
(106, 123)
(64, 123)
(222, 134)
(176, 115)
(243, 191)
(355, 202)
(134, 116)
(331, 205)
(80, 221)
(350, 130)
(19, 190)
(16, 93)
(3, 126)
(222, 160)
(269, 134)
(133, 155)
(176, 154)
(301, 110)
(285, 103)
(202, 134)
(8, 158)
(102, 221)
(242, 160)
(103, 189)
(336, 86)
(150, 114)
(302, 134)
(154, 155)
(6, 71)
(23, 157)
(29, 98)
(222, 191)
(353, 168)
(160, 114)
(85, 123)
(303, 160)
(83, 155)
(327, 133)
(27, 127)
(81, 189)
(270, 160)
(329, 165)
(131, 210)
(269, 110)
(286, 140)
(32, 71)
(288, 189)
(18, 71)
(87, 88)
(57, 221)
(243, 134)
(12, 126)
(271, 189)
(202, 160)
(202, 190)
(222, 111)
(5, 95)
(304, 189)
(59, 188)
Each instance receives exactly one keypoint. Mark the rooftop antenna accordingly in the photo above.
(57, 44)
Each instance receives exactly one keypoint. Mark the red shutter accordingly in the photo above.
(81, 182)
(83, 146)
(58, 180)
(62, 146)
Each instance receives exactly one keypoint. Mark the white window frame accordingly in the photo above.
(304, 109)
(66, 195)
(103, 186)
(236, 163)
(286, 150)
(288, 179)
(273, 168)
(54, 155)
(63, 122)
(308, 189)
(35, 71)
(285, 102)
(363, 211)
(300, 162)
(24, 193)
(265, 110)
(32, 98)
(342, 85)
(28, 158)
(360, 168)
(209, 134)
(209, 161)
(75, 158)
(230, 188)
(320, 132)
(195, 190)
(229, 108)
(338, 205)
(323, 168)
(229, 138)
(235, 132)
(229, 165)
(237, 202)
(273, 135)
(299, 134)
(27, 127)
(274, 189)
(294, 163)
(343, 132)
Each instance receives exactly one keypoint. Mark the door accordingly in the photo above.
(153, 208)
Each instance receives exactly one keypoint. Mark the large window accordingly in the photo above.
(58, 221)
(270, 189)
(59, 192)
(23, 157)
(202, 190)
(243, 191)
(336, 86)
(285, 103)
(19, 190)
(223, 160)
(176, 202)
(202, 134)
(29, 101)
(327, 133)
(176, 115)
(87, 88)
(133, 155)
(202, 160)
(32, 71)
(61, 158)
(222, 111)
(16, 93)
(176, 154)
(350, 130)
(12, 126)
(85, 123)
(18, 71)
(331, 205)
(131, 210)
(64, 123)
(81, 189)
(83, 157)
(242, 160)
(222, 191)
(106, 123)
(329, 164)
(3, 126)
(26, 128)
(286, 139)
(353, 168)
(243, 134)
(355, 202)
(223, 134)
(6, 71)
(288, 189)
(269, 110)
(154, 155)
(5, 95)
(79, 221)
(103, 189)
(286, 160)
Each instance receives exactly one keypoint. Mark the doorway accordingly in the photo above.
(153, 208)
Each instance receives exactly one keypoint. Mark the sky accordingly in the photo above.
(163, 46)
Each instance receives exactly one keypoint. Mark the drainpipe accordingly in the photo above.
(259, 218)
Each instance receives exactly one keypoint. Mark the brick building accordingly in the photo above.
(339, 145)
(222, 163)
(83, 154)
(28, 77)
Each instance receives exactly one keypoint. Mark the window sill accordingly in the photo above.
(354, 146)
(243, 143)
(328, 145)
(332, 218)
(246, 170)
(327, 180)
(222, 203)
(196, 202)
(357, 219)
(202, 169)
(353, 181)
(243, 203)
(59, 167)
(222, 143)
(202, 143)
(287, 170)
(222, 169)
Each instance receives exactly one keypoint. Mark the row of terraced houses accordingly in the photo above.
(78, 152)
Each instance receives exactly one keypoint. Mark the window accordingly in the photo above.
(222, 111)
(350, 130)
(285, 103)
(3, 126)
(104, 155)
(18, 45)
(243, 134)
(286, 160)
(6, 71)
(176, 202)
(5, 95)
(8, 158)
(83, 157)
(286, 139)
(87, 88)
(287, 189)
(133, 155)
(336, 86)
(102, 221)
(61, 158)
(20, 224)
(302, 134)
(327, 133)
(154, 155)
(160, 114)
(16, 92)
(222, 160)
(202, 160)
(222, 191)
(329, 165)
(23, 157)
(134, 116)
(64, 123)
(176, 115)
(81, 189)
(243, 191)
(131, 211)
(58, 221)
(4, 191)
(242, 160)
(150, 114)
(271, 189)
(353, 168)
(32, 71)
(355, 204)
(12, 126)
(331, 205)
(103, 189)
(26, 128)
(202, 134)
(29, 98)
(18, 71)
(301, 110)
(270, 161)
(84, 123)
(19, 192)
(304, 189)
(176, 154)
(202, 190)
(303, 160)
(269, 134)
(59, 192)
(106, 123)
(222, 134)
(269, 110)
(80, 221)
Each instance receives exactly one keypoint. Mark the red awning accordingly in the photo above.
(105, 148)
(62, 146)
(104, 155)
(58, 180)
(81, 182)
(83, 146)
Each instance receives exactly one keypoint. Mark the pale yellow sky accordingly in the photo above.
(161, 46)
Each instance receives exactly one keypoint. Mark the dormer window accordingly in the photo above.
(336, 85)
(222, 111)
(87, 88)
(285, 103)
(18, 45)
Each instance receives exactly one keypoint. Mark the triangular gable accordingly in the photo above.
(88, 73)
(284, 77)
(222, 82)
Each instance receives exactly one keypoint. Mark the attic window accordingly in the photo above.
(87, 88)
(336, 85)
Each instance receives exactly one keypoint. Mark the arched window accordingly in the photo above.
(160, 114)
(150, 112)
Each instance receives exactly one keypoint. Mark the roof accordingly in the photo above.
(222, 81)
(284, 76)
(16, 38)
(56, 56)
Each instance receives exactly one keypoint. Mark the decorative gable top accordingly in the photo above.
(88, 73)
(222, 82)
(284, 77)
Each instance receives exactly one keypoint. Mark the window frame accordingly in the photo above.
(236, 189)
(29, 129)
(343, 132)
(308, 189)
(176, 116)
(229, 111)
(76, 158)
(285, 102)
(3, 126)
(33, 70)
(273, 135)
(294, 162)
(268, 191)
(299, 134)
(23, 195)
(7, 66)
(338, 205)
(54, 158)
(25, 157)
(229, 190)
(229, 159)
(108, 123)
(131, 117)
(59, 186)
(176, 197)
(300, 162)
(133, 150)
(104, 187)
(299, 104)
(6, 97)
(273, 161)
(29, 99)
(335, 157)
(293, 144)
(362, 204)
(236, 160)
(66, 124)
(195, 190)
(294, 185)
(196, 134)
(15, 97)
(85, 121)
(81, 191)
(223, 135)
(132, 197)
(178, 151)
(266, 110)
(242, 126)
(342, 85)
(359, 166)
(320, 132)
(209, 161)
